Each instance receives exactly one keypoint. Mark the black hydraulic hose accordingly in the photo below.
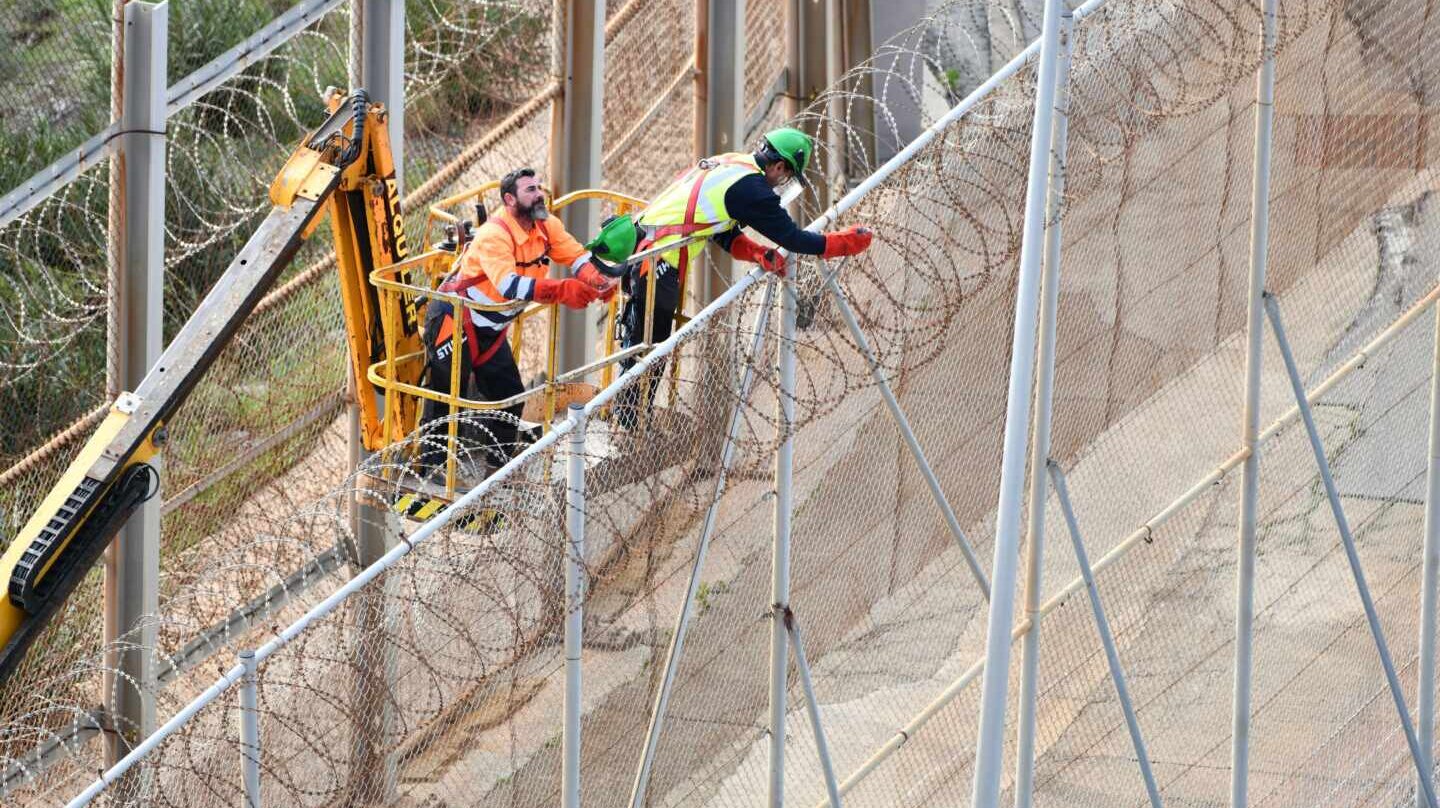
(359, 105)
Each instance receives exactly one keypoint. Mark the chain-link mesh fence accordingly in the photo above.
(441, 681)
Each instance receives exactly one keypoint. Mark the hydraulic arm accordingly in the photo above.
(344, 168)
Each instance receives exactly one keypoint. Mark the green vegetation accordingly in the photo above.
(707, 592)
(55, 77)
(55, 64)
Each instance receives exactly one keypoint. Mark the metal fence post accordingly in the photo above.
(720, 108)
(249, 731)
(382, 68)
(707, 530)
(812, 706)
(1430, 569)
(1107, 637)
(991, 741)
(780, 582)
(1250, 424)
(1347, 538)
(574, 605)
(132, 568)
(902, 422)
(377, 63)
(1040, 437)
(857, 42)
(582, 127)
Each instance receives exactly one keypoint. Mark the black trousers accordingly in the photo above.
(498, 377)
(634, 399)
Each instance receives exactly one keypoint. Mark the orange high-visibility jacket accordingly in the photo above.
(504, 261)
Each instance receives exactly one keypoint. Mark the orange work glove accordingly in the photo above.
(744, 248)
(569, 292)
(590, 275)
(852, 240)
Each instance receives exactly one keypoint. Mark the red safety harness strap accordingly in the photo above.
(472, 340)
(689, 226)
(456, 284)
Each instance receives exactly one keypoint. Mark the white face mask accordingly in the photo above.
(789, 192)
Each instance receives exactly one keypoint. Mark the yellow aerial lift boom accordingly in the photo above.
(345, 169)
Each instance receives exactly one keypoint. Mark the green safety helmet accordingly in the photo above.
(793, 146)
(616, 240)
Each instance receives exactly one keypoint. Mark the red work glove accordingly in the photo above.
(744, 248)
(570, 292)
(852, 240)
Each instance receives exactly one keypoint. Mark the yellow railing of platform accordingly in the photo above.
(417, 277)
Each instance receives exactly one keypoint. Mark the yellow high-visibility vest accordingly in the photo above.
(694, 205)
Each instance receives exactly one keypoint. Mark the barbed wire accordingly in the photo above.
(440, 680)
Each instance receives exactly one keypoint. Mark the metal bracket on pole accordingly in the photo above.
(1107, 638)
(682, 620)
(574, 607)
(1040, 433)
(249, 731)
(1272, 308)
(812, 706)
(936, 492)
(1430, 570)
(780, 582)
(990, 740)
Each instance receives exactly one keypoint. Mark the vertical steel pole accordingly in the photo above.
(1347, 539)
(991, 742)
(1250, 425)
(700, 138)
(857, 23)
(1430, 571)
(377, 64)
(1107, 638)
(584, 124)
(812, 706)
(1040, 447)
(133, 572)
(707, 530)
(377, 29)
(724, 102)
(936, 492)
(555, 158)
(780, 583)
(115, 235)
(902, 119)
(382, 69)
(574, 606)
(249, 731)
(815, 65)
(794, 52)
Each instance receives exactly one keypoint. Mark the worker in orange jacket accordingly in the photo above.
(508, 260)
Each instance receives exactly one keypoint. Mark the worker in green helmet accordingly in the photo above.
(716, 198)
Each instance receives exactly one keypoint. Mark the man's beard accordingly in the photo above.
(537, 211)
